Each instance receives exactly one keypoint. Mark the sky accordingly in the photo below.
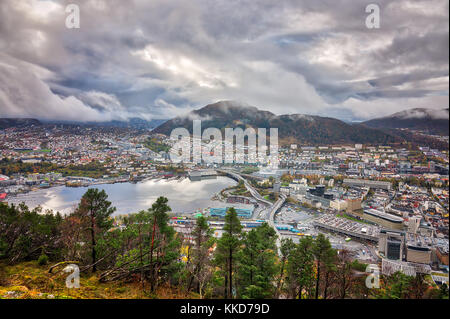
(157, 59)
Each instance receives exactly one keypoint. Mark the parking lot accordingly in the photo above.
(288, 214)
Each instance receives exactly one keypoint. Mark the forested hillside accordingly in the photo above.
(141, 256)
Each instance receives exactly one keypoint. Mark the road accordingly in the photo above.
(272, 207)
(271, 221)
(250, 188)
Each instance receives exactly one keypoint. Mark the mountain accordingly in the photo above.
(432, 121)
(17, 122)
(293, 128)
(135, 123)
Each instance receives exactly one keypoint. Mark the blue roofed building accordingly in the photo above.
(244, 212)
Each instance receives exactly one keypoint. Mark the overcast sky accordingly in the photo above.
(156, 59)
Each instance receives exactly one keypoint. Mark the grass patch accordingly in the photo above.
(343, 215)
(29, 280)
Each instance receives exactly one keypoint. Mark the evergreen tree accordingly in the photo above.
(443, 291)
(324, 255)
(287, 246)
(164, 244)
(95, 207)
(132, 242)
(25, 234)
(397, 286)
(257, 263)
(147, 246)
(202, 243)
(343, 273)
(300, 270)
(418, 286)
(228, 247)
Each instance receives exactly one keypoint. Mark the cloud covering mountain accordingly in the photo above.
(292, 128)
(163, 58)
(429, 120)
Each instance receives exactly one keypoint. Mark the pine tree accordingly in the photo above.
(257, 263)
(202, 243)
(287, 246)
(164, 246)
(97, 209)
(301, 268)
(344, 278)
(228, 247)
(324, 255)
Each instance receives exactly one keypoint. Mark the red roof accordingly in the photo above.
(2, 195)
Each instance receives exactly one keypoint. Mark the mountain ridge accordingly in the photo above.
(433, 121)
(292, 128)
(7, 122)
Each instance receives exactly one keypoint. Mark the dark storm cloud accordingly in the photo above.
(392, 94)
(410, 49)
(398, 79)
(161, 58)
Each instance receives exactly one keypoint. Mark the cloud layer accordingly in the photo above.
(163, 58)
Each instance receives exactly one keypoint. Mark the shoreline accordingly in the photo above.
(101, 182)
(129, 198)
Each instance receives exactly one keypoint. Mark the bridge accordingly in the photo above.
(274, 207)
(249, 187)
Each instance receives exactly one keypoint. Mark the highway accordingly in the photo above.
(271, 221)
(274, 207)
(249, 187)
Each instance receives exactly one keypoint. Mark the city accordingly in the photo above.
(360, 196)
(214, 158)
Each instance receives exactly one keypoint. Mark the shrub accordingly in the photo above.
(43, 260)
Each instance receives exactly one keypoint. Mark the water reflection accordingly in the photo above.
(184, 196)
